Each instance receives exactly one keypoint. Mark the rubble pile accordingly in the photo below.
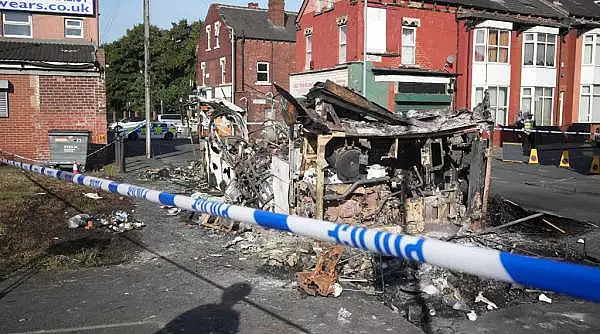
(192, 177)
(118, 222)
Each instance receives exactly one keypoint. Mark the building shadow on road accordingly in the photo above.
(212, 318)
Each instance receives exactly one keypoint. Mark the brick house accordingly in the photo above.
(51, 75)
(263, 42)
(537, 56)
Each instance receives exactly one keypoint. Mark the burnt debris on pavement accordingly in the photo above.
(337, 156)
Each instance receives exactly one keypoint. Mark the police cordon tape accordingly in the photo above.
(567, 278)
(543, 131)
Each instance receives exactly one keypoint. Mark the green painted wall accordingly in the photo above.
(376, 91)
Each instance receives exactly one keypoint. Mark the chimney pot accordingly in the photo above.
(253, 5)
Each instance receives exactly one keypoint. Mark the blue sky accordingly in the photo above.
(116, 16)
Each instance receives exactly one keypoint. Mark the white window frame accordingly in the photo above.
(343, 44)
(216, 33)
(595, 47)
(407, 46)
(486, 45)
(535, 42)
(3, 104)
(493, 109)
(318, 6)
(223, 65)
(329, 5)
(536, 100)
(6, 22)
(203, 70)
(80, 21)
(208, 37)
(591, 111)
(267, 72)
(308, 48)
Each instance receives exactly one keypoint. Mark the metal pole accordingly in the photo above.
(147, 76)
(364, 83)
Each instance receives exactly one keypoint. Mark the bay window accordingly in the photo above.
(539, 49)
(539, 102)
(492, 45)
(589, 104)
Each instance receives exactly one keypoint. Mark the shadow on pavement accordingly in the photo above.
(218, 286)
(212, 318)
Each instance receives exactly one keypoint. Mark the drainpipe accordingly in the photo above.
(364, 81)
(233, 56)
(559, 95)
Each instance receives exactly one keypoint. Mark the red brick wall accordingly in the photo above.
(279, 55)
(516, 65)
(463, 66)
(38, 104)
(436, 37)
(325, 36)
(211, 57)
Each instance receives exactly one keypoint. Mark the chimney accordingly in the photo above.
(277, 12)
(253, 5)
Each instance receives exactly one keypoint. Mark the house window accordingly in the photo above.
(408, 45)
(318, 6)
(329, 4)
(540, 48)
(492, 45)
(16, 24)
(591, 54)
(3, 104)
(308, 64)
(498, 102)
(262, 72)
(343, 44)
(589, 104)
(208, 37)
(539, 102)
(222, 62)
(203, 70)
(73, 28)
(217, 30)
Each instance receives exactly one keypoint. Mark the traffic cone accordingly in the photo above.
(564, 160)
(595, 168)
(75, 169)
(533, 157)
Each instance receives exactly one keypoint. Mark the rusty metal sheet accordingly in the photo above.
(321, 280)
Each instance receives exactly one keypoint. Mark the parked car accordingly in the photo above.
(172, 119)
(159, 131)
(126, 124)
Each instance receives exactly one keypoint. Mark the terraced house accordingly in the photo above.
(51, 74)
(242, 51)
(537, 56)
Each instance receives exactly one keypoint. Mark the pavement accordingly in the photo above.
(183, 279)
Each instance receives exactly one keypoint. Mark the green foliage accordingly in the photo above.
(172, 69)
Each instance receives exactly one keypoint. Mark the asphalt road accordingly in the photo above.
(183, 279)
(559, 191)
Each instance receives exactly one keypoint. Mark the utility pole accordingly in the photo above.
(147, 76)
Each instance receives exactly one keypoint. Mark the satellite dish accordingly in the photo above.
(450, 59)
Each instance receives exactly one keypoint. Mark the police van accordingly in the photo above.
(158, 131)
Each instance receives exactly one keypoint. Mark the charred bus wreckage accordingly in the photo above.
(344, 158)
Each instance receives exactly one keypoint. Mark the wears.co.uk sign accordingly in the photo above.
(69, 7)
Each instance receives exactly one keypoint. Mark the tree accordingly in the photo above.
(172, 68)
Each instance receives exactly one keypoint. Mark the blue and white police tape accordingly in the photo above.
(544, 131)
(571, 279)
